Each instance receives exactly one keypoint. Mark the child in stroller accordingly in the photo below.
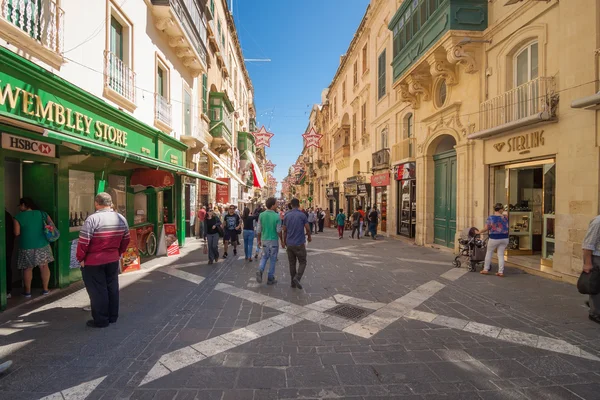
(471, 249)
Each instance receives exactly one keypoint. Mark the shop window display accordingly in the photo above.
(81, 198)
(117, 188)
(140, 205)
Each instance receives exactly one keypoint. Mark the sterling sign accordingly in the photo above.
(24, 145)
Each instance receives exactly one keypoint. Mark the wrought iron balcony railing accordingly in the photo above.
(42, 20)
(118, 76)
(521, 102)
(162, 109)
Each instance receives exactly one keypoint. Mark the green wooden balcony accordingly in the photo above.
(419, 24)
(221, 127)
(245, 143)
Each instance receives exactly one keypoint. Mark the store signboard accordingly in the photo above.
(168, 243)
(380, 179)
(130, 260)
(364, 189)
(351, 189)
(223, 191)
(25, 145)
(406, 171)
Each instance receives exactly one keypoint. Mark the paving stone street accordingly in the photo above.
(421, 330)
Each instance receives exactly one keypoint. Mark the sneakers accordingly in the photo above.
(224, 255)
(27, 295)
(259, 276)
(271, 281)
(9, 296)
(296, 283)
(88, 308)
(45, 292)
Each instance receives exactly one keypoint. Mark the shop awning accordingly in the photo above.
(218, 160)
(151, 162)
(259, 180)
(152, 177)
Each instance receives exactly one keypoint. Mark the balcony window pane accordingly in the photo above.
(187, 113)
(116, 38)
(160, 82)
(415, 23)
(534, 61)
(423, 12)
(409, 126)
(522, 67)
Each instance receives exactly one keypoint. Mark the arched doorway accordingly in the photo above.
(444, 159)
(356, 167)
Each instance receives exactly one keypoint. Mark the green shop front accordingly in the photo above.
(61, 146)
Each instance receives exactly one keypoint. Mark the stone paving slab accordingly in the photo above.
(189, 328)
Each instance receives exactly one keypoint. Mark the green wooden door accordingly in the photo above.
(444, 225)
(39, 184)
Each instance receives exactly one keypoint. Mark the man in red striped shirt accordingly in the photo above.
(102, 239)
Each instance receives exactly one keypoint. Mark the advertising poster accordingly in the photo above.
(131, 258)
(168, 243)
(73, 264)
(223, 191)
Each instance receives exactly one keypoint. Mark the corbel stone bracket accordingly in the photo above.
(439, 66)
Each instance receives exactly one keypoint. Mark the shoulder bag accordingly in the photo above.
(52, 234)
(589, 283)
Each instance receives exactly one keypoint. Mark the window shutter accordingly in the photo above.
(205, 93)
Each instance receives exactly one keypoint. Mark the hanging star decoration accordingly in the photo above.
(262, 137)
(269, 166)
(297, 167)
(312, 138)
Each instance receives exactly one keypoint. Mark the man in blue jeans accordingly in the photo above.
(373, 221)
(269, 234)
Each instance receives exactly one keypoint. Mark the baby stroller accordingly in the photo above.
(471, 249)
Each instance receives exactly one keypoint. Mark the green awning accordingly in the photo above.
(147, 161)
(84, 143)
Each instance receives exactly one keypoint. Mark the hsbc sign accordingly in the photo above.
(24, 145)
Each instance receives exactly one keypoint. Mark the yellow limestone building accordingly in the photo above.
(495, 103)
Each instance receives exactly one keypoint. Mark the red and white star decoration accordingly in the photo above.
(269, 166)
(312, 138)
(297, 167)
(262, 137)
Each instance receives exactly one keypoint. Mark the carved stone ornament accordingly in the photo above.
(407, 96)
(458, 55)
(184, 52)
(176, 41)
(419, 85)
(439, 66)
(164, 23)
(187, 61)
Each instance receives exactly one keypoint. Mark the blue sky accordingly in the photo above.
(304, 39)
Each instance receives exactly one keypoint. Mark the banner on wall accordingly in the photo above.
(168, 243)
(223, 191)
(204, 187)
(130, 260)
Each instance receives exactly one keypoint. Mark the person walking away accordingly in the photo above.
(269, 231)
(9, 232)
(257, 212)
(104, 236)
(311, 218)
(201, 217)
(34, 249)
(340, 221)
(232, 223)
(296, 230)
(373, 221)
(316, 224)
(321, 220)
(212, 225)
(249, 222)
(497, 226)
(356, 221)
(361, 225)
(591, 260)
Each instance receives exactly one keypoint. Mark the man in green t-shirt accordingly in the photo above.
(340, 221)
(269, 233)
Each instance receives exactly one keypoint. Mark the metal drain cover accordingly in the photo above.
(349, 312)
